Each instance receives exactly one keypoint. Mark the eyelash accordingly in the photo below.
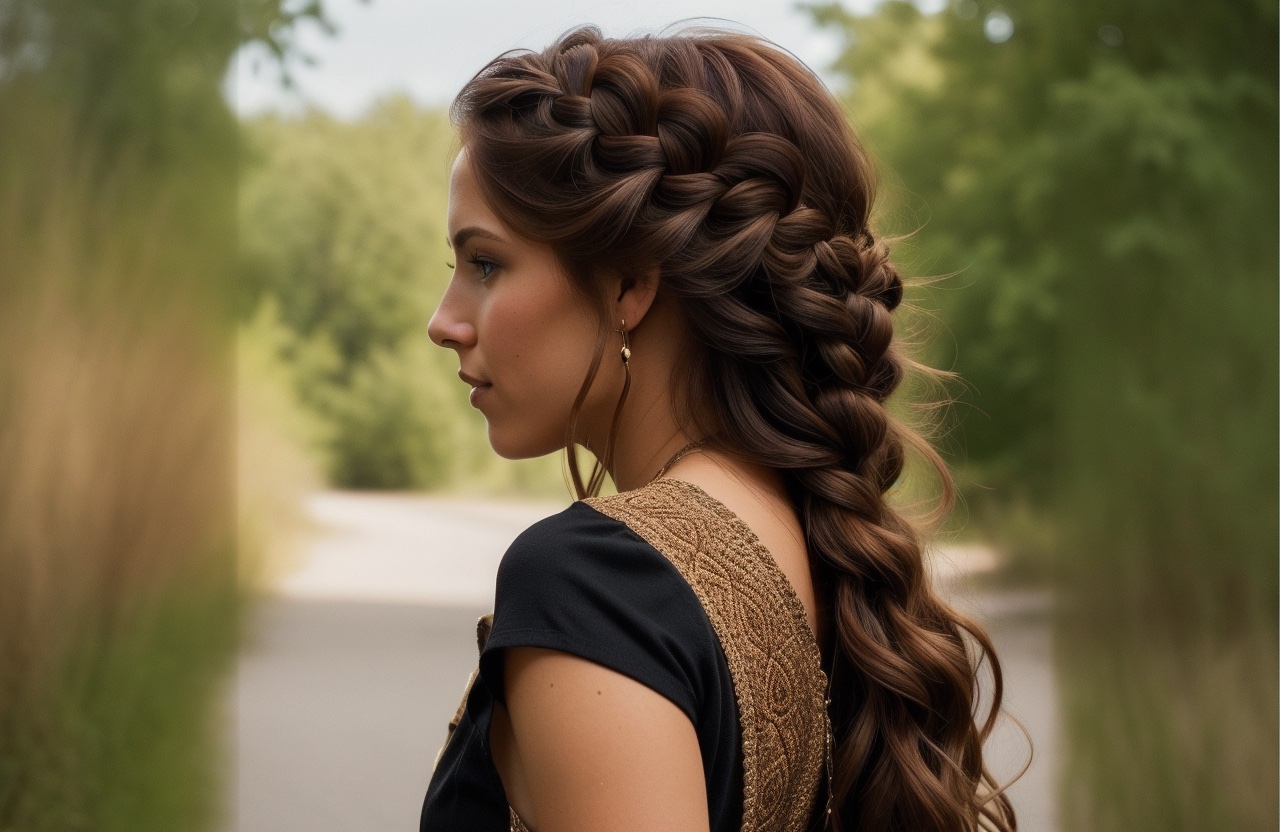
(479, 262)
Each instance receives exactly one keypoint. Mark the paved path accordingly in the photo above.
(351, 673)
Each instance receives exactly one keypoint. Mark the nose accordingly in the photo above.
(450, 327)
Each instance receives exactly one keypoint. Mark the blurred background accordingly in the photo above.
(247, 517)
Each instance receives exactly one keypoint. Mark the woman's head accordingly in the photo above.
(709, 182)
(714, 157)
(525, 335)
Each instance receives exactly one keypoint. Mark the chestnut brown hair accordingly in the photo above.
(723, 160)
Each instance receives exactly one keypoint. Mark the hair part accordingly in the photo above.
(723, 160)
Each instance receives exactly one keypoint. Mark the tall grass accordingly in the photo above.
(118, 595)
(1169, 732)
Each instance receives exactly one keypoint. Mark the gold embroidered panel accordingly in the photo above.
(773, 658)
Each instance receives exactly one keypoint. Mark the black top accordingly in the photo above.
(586, 584)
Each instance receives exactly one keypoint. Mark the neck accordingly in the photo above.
(649, 432)
(641, 453)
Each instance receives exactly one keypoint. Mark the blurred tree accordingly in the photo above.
(1104, 179)
(341, 237)
(342, 226)
(987, 147)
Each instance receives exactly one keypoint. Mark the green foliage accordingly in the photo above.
(340, 226)
(343, 229)
(1166, 728)
(1104, 184)
(117, 604)
(1055, 162)
(338, 220)
(388, 434)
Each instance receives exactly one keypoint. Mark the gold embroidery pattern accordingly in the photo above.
(773, 658)
(484, 625)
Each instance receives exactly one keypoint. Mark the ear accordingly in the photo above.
(633, 295)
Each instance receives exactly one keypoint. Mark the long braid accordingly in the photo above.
(727, 163)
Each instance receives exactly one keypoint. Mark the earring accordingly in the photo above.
(617, 411)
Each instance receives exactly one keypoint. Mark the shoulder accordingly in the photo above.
(585, 583)
(572, 539)
(577, 551)
(581, 560)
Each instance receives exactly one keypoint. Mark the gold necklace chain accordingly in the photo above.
(676, 457)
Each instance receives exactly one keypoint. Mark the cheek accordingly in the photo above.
(537, 337)
(538, 346)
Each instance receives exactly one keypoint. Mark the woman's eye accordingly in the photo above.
(485, 267)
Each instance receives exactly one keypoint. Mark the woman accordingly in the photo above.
(663, 255)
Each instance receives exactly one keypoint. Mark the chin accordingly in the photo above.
(510, 445)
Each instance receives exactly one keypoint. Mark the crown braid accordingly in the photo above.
(727, 163)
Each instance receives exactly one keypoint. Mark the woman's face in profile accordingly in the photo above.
(523, 334)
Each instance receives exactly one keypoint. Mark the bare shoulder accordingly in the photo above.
(582, 747)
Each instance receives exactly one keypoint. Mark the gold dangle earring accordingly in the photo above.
(625, 354)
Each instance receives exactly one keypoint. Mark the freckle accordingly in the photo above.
(598, 693)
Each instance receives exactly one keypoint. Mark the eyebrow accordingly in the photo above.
(467, 233)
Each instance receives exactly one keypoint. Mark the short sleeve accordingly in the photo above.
(586, 584)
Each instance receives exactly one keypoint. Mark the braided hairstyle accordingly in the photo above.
(725, 161)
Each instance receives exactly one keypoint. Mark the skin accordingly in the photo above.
(580, 747)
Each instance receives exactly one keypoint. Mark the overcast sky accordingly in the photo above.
(429, 48)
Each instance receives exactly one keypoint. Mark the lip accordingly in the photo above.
(478, 387)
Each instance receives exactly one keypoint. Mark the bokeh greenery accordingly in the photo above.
(342, 241)
(1101, 183)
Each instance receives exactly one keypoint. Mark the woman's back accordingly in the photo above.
(758, 497)
(667, 586)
